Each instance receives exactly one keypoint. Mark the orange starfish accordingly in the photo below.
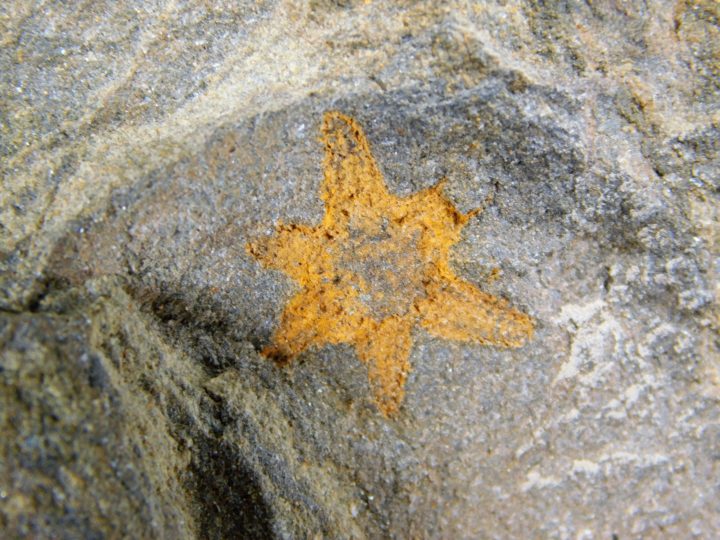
(376, 266)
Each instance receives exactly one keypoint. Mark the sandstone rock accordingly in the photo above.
(143, 146)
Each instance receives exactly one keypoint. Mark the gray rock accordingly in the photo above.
(142, 146)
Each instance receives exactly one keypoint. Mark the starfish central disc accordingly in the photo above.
(376, 266)
(387, 269)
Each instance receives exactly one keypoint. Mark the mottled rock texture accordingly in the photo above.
(144, 144)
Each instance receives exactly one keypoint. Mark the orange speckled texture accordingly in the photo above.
(375, 267)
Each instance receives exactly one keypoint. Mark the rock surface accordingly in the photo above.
(143, 144)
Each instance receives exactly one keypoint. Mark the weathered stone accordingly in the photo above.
(143, 146)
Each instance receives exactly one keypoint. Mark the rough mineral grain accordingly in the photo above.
(144, 144)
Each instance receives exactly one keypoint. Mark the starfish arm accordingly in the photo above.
(316, 316)
(351, 174)
(385, 348)
(294, 249)
(456, 309)
(434, 214)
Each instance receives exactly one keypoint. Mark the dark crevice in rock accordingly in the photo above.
(227, 492)
(195, 318)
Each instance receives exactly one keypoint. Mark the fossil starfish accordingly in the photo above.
(376, 266)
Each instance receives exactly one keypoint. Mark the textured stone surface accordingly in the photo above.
(143, 145)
